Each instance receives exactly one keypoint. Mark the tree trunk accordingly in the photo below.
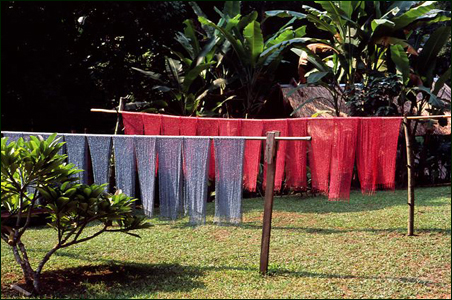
(28, 274)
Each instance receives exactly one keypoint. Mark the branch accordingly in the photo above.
(85, 239)
(27, 223)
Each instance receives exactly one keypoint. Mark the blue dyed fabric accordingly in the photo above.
(77, 151)
(125, 164)
(196, 162)
(146, 153)
(170, 177)
(229, 155)
(100, 151)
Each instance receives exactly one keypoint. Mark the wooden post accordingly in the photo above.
(120, 109)
(409, 165)
(270, 160)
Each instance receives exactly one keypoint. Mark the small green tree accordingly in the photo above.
(35, 177)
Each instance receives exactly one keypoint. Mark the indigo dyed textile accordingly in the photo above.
(100, 151)
(196, 161)
(145, 150)
(170, 177)
(229, 155)
(124, 164)
(77, 152)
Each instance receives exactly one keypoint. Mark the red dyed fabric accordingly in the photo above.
(281, 126)
(209, 127)
(229, 127)
(170, 125)
(133, 123)
(252, 153)
(319, 152)
(387, 154)
(377, 153)
(188, 126)
(367, 153)
(296, 155)
(343, 158)
(152, 123)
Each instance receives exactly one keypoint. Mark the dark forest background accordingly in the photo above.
(59, 59)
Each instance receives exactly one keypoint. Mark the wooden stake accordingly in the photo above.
(270, 159)
(409, 158)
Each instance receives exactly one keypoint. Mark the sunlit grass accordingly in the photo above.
(319, 249)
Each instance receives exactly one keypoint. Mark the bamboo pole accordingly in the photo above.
(109, 111)
(270, 159)
(409, 158)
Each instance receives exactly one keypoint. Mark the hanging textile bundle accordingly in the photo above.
(377, 152)
(145, 151)
(229, 127)
(133, 123)
(387, 153)
(100, 150)
(320, 130)
(170, 177)
(281, 126)
(12, 136)
(188, 126)
(124, 164)
(170, 125)
(367, 153)
(196, 161)
(209, 127)
(152, 124)
(296, 156)
(343, 158)
(77, 152)
(252, 153)
(228, 181)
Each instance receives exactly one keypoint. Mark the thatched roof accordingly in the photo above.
(323, 103)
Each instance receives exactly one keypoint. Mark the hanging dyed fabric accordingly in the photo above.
(133, 123)
(196, 161)
(229, 127)
(100, 150)
(343, 158)
(367, 153)
(77, 152)
(170, 125)
(319, 150)
(145, 151)
(281, 126)
(209, 127)
(170, 177)
(377, 152)
(151, 123)
(296, 155)
(124, 164)
(12, 136)
(252, 152)
(387, 154)
(188, 126)
(228, 181)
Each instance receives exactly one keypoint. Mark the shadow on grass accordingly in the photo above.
(119, 279)
(389, 231)
(274, 272)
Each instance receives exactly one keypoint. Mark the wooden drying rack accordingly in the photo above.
(270, 159)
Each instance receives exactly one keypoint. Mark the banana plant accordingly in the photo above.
(254, 59)
(363, 37)
(197, 72)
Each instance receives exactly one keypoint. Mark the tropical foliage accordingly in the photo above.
(370, 39)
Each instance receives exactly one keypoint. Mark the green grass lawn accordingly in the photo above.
(319, 249)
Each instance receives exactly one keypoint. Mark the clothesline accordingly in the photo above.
(260, 138)
(109, 111)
